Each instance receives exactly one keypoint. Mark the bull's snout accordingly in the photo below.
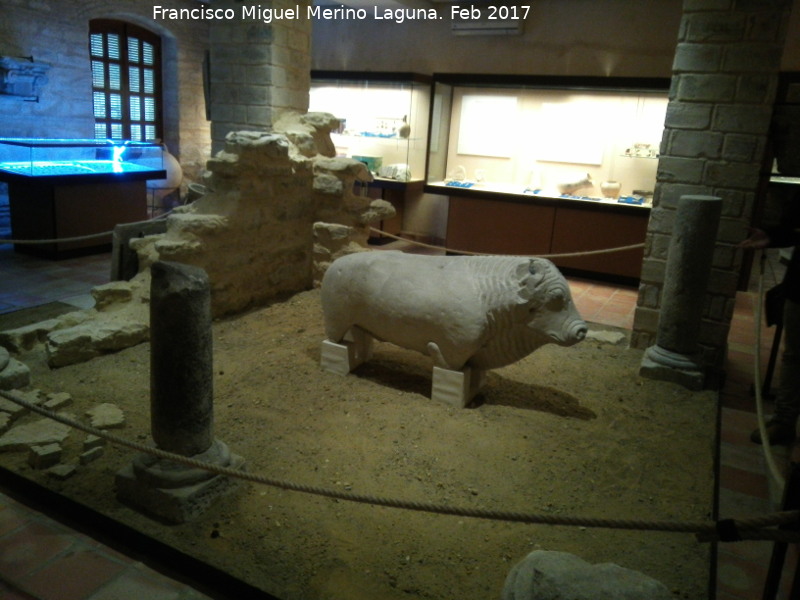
(577, 332)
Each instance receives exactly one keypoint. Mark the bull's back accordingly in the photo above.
(409, 300)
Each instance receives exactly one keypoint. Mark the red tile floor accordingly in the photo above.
(42, 558)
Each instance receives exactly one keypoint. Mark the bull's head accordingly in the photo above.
(548, 302)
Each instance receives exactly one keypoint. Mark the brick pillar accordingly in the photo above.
(718, 118)
(258, 70)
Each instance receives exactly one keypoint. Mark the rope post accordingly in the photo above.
(181, 401)
(676, 354)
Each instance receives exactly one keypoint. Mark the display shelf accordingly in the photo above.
(73, 188)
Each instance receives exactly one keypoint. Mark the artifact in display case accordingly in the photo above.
(384, 119)
(63, 189)
(45, 159)
(584, 139)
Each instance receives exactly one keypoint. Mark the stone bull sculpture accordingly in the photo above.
(470, 314)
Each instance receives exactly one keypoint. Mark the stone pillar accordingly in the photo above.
(724, 79)
(676, 355)
(258, 70)
(181, 401)
(181, 369)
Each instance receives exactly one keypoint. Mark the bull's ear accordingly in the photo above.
(537, 270)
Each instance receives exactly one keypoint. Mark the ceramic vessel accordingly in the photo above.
(610, 189)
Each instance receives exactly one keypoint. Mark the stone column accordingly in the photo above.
(181, 402)
(258, 71)
(676, 355)
(724, 79)
(181, 369)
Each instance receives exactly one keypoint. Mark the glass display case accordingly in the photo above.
(73, 190)
(88, 159)
(587, 139)
(384, 124)
(547, 165)
(384, 119)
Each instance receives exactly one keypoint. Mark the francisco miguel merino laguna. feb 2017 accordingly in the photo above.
(256, 12)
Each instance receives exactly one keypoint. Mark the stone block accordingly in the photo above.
(705, 87)
(755, 88)
(706, 5)
(544, 575)
(5, 422)
(62, 472)
(91, 455)
(93, 441)
(697, 57)
(751, 57)
(714, 26)
(456, 388)
(671, 192)
(83, 342)
(259, 95)
(56, 401)
(742, 118)
(44, 457)
(688, 115)
(695, 144)
(175, 493)
(106, 416)
(37, 433)
(682, 170)
(14, 375)
(742, 147)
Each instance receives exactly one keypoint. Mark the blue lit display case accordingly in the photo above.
(67, 188)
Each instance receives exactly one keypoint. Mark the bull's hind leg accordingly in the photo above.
(342, 357)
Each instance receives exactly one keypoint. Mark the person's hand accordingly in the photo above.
(758, 240)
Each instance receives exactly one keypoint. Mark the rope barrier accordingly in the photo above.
(762, 428)
(77, 238)
(470, 253)
(92, 236)
(724, 530)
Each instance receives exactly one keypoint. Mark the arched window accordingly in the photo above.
(126, 81)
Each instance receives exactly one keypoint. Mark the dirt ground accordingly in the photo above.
(566, 431)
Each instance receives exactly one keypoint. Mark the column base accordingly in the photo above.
(173, 492)
(665, 365)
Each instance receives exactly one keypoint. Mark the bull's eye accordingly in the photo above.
(556, 302)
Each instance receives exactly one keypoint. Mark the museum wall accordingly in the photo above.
(574, 37)
(55, 32)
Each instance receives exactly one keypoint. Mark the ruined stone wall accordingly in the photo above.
(253, 232)
(717, 125)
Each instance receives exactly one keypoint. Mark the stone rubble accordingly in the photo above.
(36, 433)
(43, 439)
(44, 457)
(106, 416)
(545, 575)
(13, 373)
